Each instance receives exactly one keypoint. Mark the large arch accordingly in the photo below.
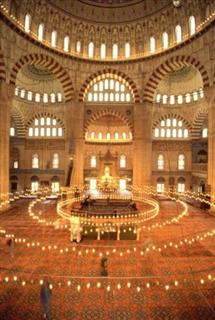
(199, 119)
(106, 112)
(18, 119)
(171, 65)
(114, 72)
(45, 114)
(49, 63)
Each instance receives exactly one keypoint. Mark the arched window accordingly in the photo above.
(122, 161)
(54, 38)
(34, 184)
(165, 40)
(181, 185)
(55, 161)
(78, 46)
(55, 184)
(103, 51)
(30, 96)
(53, 97)
(37, 97)
(66, 43)
(27, 23)
(124, 136)
(93, 161)
(108, 136)
(127, 50)
(192, 25)
(160, 185)
(35, 161)
(40, 33)
(188, 97)
(172, 99)
(91, 49)
(152, 45)
(100, 135)
(160, 162)
(116, 135)
(205, 133)
(22, 93)
(45, 98)
(12, 131)
(115, 51)
(178, 33)
(181, 162)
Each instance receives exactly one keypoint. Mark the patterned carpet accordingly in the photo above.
(165, 285)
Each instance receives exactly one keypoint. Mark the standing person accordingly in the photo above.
(45, 294)
(10, 243)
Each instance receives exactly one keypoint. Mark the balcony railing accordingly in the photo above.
(200, 167)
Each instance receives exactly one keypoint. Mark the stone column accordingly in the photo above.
(75, 136)
(142, 145)
(6, 96)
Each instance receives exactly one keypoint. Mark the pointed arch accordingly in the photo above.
(87, 82)
(106, 112)
(168, 66)
(50, 64)
(172, 116)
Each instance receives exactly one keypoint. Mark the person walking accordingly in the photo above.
(45, 294)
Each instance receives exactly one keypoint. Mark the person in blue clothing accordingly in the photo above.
(45, 294)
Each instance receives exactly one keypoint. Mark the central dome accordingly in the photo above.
(110, 11)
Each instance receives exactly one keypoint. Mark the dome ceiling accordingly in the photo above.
(108, 11)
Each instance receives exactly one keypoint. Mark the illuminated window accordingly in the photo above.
(165, 40)
(91, 50)
(152, 45)
(59, 97)
(78, 46)
(156, 133)
(164, 99)
(12, 131)
(181, 162)
(55, 161)
(16, 91)
(16, 164)
(180, 99)
(195, 96)
(66, 43)
(108, 136)
(181, 185)
(29, 96)
(127, 50)
(103, 51)
(37, 97)
(188, 98)
(45, 98)
(35, 161)
(178, 34)
(124, 136)
(201, 93)
(22, 93)
(205, 133)
(158, 98)
(192, 25)
(34, 186)
(27, 23)
(160, 185)
(122, 161)
(100, 135)
(52, 96)
(54, 38)
(55, 186)
(116, 135)
(115, 51)
(160, 162)
(40, 33)
(172, 99)
(93, 161)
